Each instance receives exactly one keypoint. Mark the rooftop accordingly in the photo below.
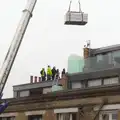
(29, 86)
(111, 72)
(106, 49)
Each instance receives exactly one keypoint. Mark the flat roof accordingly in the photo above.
(28, 86)
(112, 72)
(106, 49)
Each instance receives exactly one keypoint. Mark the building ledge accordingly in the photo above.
(111, 72)
(32, 86)
(66, 95)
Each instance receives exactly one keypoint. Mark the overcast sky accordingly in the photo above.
(48, 40)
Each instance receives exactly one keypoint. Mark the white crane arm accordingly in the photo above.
(14, 47)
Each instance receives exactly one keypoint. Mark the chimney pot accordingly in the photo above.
(31, 79)
(39, 79)
(35, 79)
(86, 52)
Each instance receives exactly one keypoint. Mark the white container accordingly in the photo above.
(76, 18)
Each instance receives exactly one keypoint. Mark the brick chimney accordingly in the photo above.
(86, 52)
(64, 81)
(35, 78)
(39, 79)
(31, 79)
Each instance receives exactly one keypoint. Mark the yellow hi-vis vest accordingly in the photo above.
(49, 71)
(42, 73)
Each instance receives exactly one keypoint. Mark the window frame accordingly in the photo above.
(99, 79)
(105, 79)
(61, 116)
(7, 118)
(32, 117)
(109, 113)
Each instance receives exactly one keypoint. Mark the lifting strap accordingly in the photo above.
(80, 11)
(69, 6)
(69, 10)
(80, 7)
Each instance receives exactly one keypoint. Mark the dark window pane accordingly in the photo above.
(114, 116)
(37, 117)
(105, 117)
(74, 116)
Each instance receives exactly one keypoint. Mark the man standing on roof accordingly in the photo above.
(49, 73)
(63, 73)
(57, 74)
(43, 74)
(53, 73)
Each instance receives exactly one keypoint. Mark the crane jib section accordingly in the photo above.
(14, 47)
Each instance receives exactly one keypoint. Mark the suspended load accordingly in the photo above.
(76, 18)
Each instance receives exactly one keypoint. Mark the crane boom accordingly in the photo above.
(15, 44)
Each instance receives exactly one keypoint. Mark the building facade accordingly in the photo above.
(93, 94)
(92, 103)
(101, 58)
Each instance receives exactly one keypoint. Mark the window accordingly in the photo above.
(105, 116)
(116, 54)
(24, 93)
(94, 82)
(66, 116)
(47, 90)
(36, 91)
(99, 57)
(108, 81)
(74, 116)
(114, 116)
(35, 117)
(76, 85)
(15, 94)
(7, 118)
(109, 57)
(109, 115)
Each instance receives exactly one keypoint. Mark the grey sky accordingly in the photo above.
(48, 40)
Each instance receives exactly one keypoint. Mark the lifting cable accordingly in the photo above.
(80, 11)
(69, 10)
(79, 7)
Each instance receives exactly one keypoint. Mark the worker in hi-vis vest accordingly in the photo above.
(43, 74)
(49, 73)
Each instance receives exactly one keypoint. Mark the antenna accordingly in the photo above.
(88, 44)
